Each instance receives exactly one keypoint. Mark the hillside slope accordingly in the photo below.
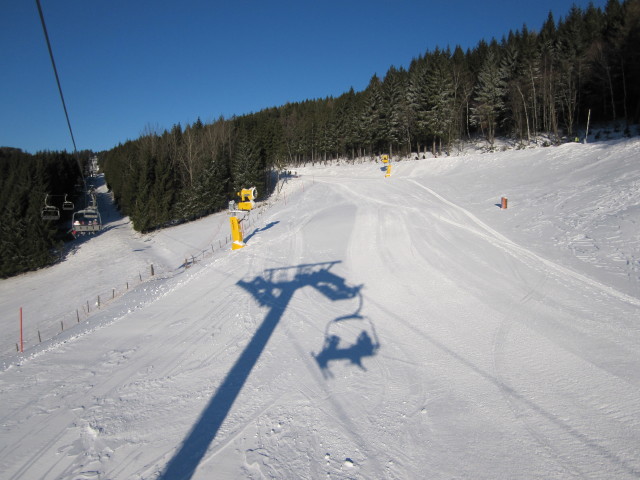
(401, 327)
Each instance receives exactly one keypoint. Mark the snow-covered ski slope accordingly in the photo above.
(393, 328)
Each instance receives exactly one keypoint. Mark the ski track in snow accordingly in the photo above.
(520, 252)
(501, 344)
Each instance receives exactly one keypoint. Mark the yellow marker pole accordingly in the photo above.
(388, 174)
(236, 234)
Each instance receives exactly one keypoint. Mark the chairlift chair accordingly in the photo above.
(49, 212)
(86, 221)
(67, 204)
(90, 213)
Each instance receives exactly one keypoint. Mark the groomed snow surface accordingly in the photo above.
(389, 328)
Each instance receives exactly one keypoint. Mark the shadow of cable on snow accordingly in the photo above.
(593, 443)
(274, 290)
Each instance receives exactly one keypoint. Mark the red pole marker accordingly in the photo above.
(21, 338)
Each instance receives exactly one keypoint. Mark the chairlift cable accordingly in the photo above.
(64, 105)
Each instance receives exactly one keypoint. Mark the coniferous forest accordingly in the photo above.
(527, 84)
(27, 184)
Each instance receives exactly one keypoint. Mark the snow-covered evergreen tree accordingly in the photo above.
(489, 99)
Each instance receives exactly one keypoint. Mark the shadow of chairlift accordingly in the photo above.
(274, 290)
(341, 343)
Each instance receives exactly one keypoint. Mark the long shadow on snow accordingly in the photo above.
(275, 290)
(346, 346)
(266, 227)
(365, 345)
(593, 442)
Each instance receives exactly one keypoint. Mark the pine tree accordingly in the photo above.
(140, 213)
(440, 109)
(245, 171)
(462, 91)
(372, 118)
(570, 66)
(489, 99)
(393, 117)
(418, 99)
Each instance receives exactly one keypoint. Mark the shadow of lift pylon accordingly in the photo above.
(274, 289)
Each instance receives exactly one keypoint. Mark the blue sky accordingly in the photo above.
(127, 66)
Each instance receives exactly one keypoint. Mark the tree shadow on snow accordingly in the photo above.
(274, 289)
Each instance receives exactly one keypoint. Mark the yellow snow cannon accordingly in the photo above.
(247, 197)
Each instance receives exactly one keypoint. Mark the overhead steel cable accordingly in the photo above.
(55, 71)
(64, 104)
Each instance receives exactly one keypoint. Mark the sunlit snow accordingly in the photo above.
(402, 328)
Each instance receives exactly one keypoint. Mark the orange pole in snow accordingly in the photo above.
(21, 341)
(504, 203)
